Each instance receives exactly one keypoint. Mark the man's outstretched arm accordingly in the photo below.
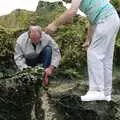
(66, 17)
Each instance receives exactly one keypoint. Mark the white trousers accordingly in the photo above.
(100, 54)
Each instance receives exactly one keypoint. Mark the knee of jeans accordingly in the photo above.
(48, 49)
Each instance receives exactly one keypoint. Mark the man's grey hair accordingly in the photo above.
(36, 27)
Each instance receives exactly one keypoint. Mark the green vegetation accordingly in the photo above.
(17, 19)
(20, 92)
(47, 12)
(116, 3)
(7, 41)
(70, 38)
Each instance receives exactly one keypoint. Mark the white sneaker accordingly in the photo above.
(93, 95)
(108, 98)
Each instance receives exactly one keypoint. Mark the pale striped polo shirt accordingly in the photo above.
(96, 10)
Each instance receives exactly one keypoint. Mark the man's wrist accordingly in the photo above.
(52, 67)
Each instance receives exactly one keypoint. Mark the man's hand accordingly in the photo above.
(86, 44)
(51, 28)
(49, 70)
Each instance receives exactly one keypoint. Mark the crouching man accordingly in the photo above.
(35, 47)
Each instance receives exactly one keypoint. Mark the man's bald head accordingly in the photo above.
(35, 34)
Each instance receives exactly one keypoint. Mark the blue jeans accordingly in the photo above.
(44, 58)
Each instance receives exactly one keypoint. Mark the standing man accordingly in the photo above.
(35, 47)
(104, 26)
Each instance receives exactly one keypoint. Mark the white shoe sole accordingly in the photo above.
(92, 98)
(108, 98)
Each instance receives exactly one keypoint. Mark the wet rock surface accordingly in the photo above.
(18, 94)
(70, 106)
(23, 97)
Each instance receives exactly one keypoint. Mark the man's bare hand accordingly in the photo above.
(86, 44)
(51, 28)
(49, 70)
